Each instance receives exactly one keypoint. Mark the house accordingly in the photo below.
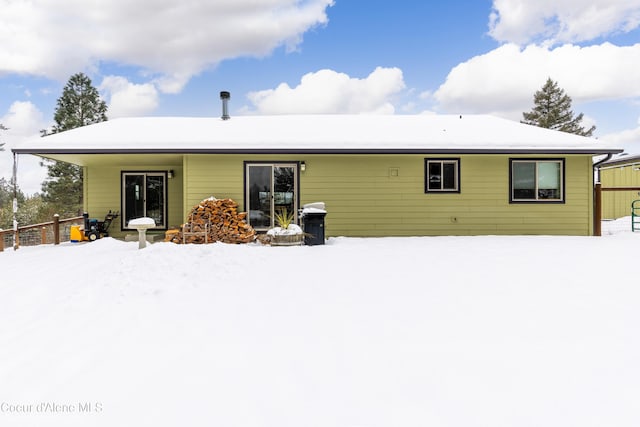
(395, 175)
(620, 180)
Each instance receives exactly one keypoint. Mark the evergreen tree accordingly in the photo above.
(2, 143)
(552, 110)
(62, 188)
(79, 105)
(6, 203)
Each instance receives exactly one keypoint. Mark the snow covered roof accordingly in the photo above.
(622, 159)
(314, 134)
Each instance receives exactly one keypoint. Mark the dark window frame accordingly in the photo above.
(451, 160)
(537, 199)
(296, 163)
(163, 173)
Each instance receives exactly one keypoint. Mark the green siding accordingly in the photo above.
(364, 195)
(103, 192)
(617, 204)
(364, 198)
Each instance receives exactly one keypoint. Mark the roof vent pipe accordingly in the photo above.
(225, 96)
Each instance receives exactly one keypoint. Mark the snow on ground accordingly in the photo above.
(426, 331)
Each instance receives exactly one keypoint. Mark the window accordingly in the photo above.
(537, 180)
(442, 176)
(144, 194)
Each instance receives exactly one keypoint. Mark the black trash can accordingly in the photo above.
(313, 227)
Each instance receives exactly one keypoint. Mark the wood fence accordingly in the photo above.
(39, 234)
(597, 210)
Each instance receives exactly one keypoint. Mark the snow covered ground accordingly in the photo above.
(430, 331)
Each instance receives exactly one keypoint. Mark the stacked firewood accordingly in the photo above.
(214, 220)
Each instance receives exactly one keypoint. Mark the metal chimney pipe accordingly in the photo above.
(225, 96)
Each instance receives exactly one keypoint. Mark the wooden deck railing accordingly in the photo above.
(39, 234)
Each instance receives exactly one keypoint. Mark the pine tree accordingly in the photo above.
(2, 143)
(6, 202)
(79, 105)
(552, 110)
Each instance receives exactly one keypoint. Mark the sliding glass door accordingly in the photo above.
(270, 188)
(144, 195)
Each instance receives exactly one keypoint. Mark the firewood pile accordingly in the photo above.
(214, 220)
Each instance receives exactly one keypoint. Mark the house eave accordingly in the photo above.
(622, 161)
(346, 151)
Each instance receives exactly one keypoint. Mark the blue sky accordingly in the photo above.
(166, 58)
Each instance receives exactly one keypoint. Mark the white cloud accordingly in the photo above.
(24, 121)
(561, 21)
(128, 99)
(330, 92)
(504, 80)
(628, 139)
(173, 40)
(625, 138)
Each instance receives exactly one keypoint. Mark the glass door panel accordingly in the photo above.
(155, 199)
(259, 185)
(271, 188)
(133, 197)
(284, 189)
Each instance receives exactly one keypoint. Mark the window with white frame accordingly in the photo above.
(536, 180)
(442, 175)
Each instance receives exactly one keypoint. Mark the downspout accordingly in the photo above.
(596, 166)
